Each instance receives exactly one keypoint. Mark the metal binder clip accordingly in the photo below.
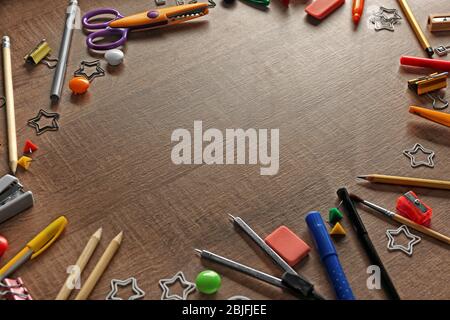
(442, 51)
(14, 289)
(428, 84)
(41, 54)
(439, 22)
(13, 199)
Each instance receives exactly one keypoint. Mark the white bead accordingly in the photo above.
(114, 57)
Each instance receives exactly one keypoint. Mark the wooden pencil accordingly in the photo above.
(100, 268)
(9, 97)
(83, 259)
(407, 181)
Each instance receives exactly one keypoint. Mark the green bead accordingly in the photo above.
(335, 215)
(208, 282)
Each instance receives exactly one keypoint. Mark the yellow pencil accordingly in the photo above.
(9, 95)
(407, 181)
(416, 27)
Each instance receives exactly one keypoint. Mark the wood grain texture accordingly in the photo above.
(337, 95)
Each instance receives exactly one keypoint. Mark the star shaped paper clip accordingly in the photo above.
(188, 287)
(411, 154)
(138, 293)
(99, 72)
(382, 21)
(34, 122)
(413, 239)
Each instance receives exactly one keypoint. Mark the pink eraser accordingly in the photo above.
(319, 9)
(288, 245)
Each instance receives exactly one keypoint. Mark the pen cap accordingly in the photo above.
(352, 213)
(47, 236)
(322, 240)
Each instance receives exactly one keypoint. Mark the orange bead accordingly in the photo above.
(79, 85)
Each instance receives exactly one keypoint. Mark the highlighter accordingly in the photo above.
(328, 256)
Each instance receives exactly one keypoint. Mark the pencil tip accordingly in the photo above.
(198, 251)
(119, 237)
(232, 218)
(362, 177)
(98, 233)
(13, 167)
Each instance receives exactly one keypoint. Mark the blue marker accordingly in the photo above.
(328, 256)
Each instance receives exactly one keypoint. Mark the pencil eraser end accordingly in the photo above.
(288, 245)
(320, 9)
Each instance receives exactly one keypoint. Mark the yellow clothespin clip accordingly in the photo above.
(40, 54)
(428, 84)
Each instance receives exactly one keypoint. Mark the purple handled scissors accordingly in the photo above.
(104, 29)
(119, 25)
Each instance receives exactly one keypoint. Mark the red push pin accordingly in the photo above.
(29, 147)
(3, 245)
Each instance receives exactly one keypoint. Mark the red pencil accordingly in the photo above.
(357, 10)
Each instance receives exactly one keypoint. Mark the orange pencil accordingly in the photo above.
(433, 115)
(357, 10)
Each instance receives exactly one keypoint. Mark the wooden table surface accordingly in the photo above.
(337, 95)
